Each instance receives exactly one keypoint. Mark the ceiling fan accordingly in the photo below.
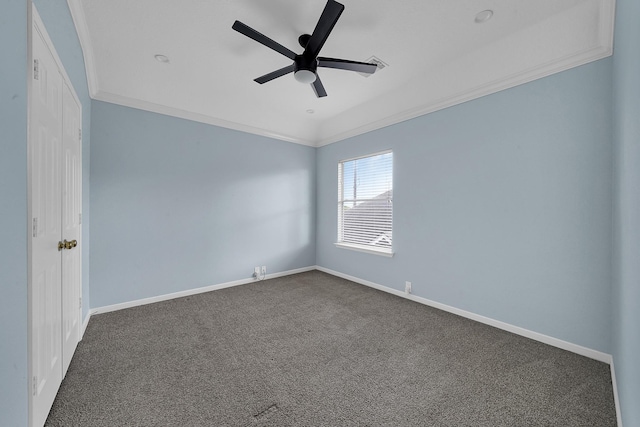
(305, 65)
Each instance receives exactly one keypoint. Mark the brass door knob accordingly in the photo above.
(67, 245)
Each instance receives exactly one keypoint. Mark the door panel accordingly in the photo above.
(71, 210)
(45, 292)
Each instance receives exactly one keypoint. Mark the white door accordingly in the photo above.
(55, 170)
(46, 275)
(71, 219)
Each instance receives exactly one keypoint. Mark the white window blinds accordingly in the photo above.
(365, 202)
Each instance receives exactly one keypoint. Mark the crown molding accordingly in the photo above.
(196, 117)
(526, 76)
(601, 48)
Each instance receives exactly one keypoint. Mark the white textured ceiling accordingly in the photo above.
(437, 56)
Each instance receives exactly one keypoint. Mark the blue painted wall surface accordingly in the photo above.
(502, 206)
(626, 291)
(179, 205)
(57, 19)
(13, 213)
(13, 187)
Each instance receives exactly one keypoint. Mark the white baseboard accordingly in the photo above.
(614, 384)
(188, 292)
(583, 351)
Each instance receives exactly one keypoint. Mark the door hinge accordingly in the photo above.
(80, 302)
(80, 219)
(79, 134)
(35, 227)
(36, 69)
(35, 386)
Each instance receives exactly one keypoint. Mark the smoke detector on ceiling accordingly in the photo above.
(379, 63)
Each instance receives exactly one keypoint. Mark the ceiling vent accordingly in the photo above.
(375, 60)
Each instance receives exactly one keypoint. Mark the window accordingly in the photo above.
(365, 203)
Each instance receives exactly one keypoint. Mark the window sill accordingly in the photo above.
(366, 249)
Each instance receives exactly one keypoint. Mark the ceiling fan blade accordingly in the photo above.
(261, 38)
(327, 21)
(275, 74)
(318, 88)
(345, 64)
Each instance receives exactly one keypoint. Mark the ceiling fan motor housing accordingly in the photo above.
(304, 69)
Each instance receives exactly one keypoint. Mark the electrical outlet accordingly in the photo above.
(264, 270)
(256, 272)
(407, 287)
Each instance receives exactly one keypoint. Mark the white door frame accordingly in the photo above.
(34, 23)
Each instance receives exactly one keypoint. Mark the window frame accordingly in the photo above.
(376, 250)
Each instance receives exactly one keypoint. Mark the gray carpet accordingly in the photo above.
(316, 350)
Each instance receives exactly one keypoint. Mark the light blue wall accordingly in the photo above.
(179, 205)
(57, 19)
(13, 187)
(502, 206)
(626, 291)
(13, 213)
